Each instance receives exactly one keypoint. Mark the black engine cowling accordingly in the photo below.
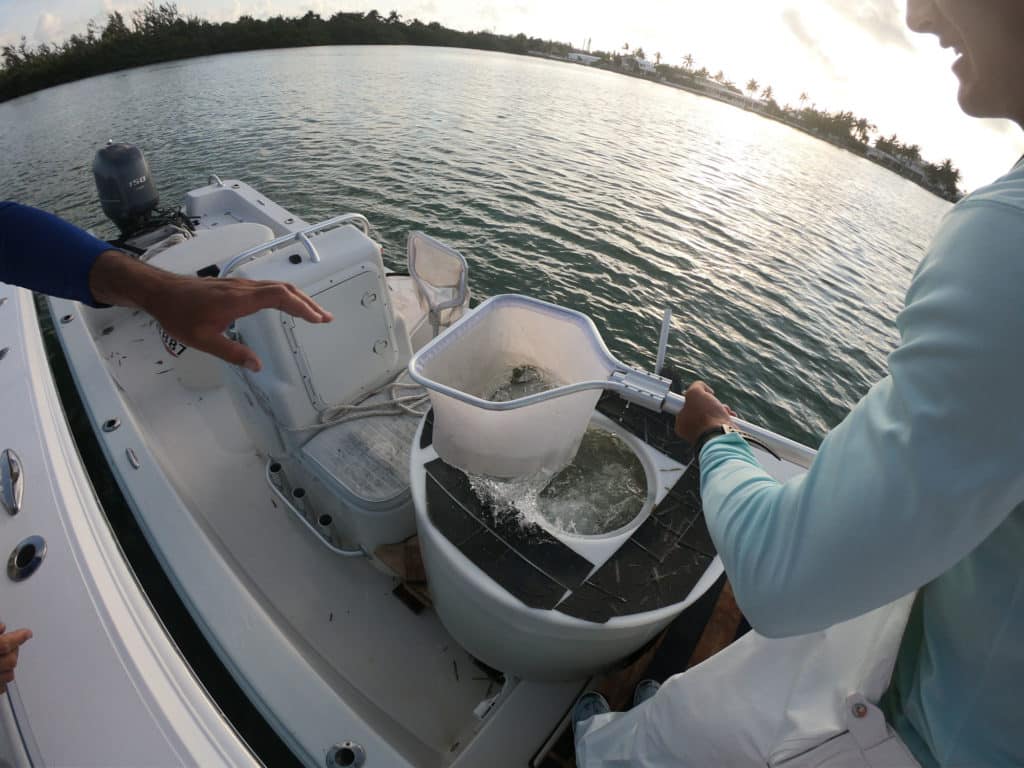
(126, 189)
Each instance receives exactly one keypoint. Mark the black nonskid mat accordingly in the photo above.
(656, 567)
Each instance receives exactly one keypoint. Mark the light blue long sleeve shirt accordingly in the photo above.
(920, 487)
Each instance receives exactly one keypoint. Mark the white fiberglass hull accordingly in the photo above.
(100, 683)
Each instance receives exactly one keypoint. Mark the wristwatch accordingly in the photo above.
(711, 434)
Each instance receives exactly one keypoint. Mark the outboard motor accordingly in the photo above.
(125, 187)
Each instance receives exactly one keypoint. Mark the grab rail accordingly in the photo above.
(303, 236)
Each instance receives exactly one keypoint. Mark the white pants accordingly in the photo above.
(796, 702)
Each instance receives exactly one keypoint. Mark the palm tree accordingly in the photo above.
(702, 72)
(804, 98)
(949, 178)
(752, 86)
(890, 145)
(688, 61)
(863, 128)
(657, 59)
(639, 53)
(719, 76)
(841, 124)
(767, 93)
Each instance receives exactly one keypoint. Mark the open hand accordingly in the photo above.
(197, 310)
(702, 412)
(10, 642)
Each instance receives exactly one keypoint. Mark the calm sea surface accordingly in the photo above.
(783, 258)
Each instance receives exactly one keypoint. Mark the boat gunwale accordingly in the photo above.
(102, 400)
(168, 691)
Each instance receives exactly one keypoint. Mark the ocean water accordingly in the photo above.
(784, 259)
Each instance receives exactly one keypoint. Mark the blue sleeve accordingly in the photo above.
(44, 253)
(921, 472)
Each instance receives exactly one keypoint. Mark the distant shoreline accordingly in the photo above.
(156, 34)
(748, 105)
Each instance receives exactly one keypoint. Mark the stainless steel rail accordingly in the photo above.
(303, 236)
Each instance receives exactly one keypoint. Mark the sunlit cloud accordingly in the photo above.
(48, 28)
(881, 19)
(794, 23)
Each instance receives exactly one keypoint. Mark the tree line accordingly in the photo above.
(158, 32)
(849, 130)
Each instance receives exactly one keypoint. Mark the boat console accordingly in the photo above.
(348, 478)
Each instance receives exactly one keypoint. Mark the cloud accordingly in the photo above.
(881, 19)
(48, 28)
(424, 11)
(791, 18)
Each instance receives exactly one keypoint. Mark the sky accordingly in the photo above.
(853, 55)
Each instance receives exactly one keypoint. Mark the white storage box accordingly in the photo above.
(462, 368)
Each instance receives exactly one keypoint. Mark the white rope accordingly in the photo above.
(393, 405)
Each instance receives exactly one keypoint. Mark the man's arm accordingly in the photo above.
(921, 471)
(44, 253)
(196, 311)
(47, 254)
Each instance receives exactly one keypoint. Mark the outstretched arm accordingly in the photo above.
(197, 310)
(43, 252)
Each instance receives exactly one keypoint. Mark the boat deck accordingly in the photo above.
(317, 641)
(302, 629)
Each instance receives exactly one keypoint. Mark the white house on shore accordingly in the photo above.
(582, 58)
(633, 63)
(895, 163)
(724, 93)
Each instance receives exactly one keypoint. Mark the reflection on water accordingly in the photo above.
(784, 259)
(603, 489)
